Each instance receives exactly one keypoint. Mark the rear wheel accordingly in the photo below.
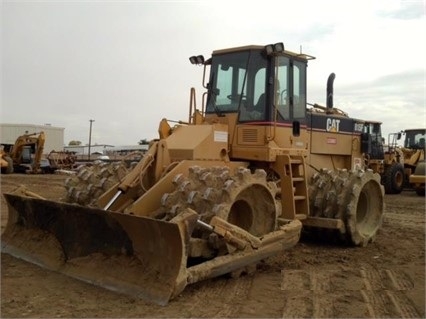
(355, 197)
(420, 171)
(362, 206)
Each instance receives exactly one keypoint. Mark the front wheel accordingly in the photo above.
(393, 179)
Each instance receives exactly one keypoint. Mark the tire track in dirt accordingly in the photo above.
(382, 294)
(415, 221)
(265, 298)
(385, 279)
(387, 303)
(360, 293)
(225, 295)
(307, 297)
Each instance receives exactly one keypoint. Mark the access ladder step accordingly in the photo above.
(301, 216)
(299, 197)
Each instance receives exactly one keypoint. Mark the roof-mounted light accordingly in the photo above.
(279, 47)
(199, 59)
(271, 49)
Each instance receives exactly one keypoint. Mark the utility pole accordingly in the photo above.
(90, 136)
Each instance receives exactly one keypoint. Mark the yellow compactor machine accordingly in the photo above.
(214, 195)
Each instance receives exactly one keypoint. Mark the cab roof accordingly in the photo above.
(302, 56)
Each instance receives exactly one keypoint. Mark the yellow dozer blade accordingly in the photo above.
(138, 256)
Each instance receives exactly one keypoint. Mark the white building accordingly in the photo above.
(84, 149)
(105, 149)
(54, 135)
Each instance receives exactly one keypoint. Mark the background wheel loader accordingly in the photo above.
(393, 176)
(387, 160)
(398, 164)
(394, 163)
(214, 195)
(414, 159)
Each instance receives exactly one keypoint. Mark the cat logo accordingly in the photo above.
(332, 125)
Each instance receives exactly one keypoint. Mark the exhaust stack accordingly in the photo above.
(329, 102)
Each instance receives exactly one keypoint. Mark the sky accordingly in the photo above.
(124, 64)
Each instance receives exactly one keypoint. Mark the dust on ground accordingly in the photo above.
(384, 279)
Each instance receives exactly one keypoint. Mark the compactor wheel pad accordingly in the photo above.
(244, 199)
(90, 182)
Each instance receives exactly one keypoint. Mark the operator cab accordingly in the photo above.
(415, 138)
(372, 140)
(263, 84)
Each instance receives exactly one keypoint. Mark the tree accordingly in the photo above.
(74, 143)
(143, 142)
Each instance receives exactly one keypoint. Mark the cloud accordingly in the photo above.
(393, 100)
(407, 10)
(125, 64)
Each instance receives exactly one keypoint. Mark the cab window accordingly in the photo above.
(299, 90)
(290, 89)
(282, 88)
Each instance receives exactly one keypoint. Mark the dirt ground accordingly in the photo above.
(384, 279)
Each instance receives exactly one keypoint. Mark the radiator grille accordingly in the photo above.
(249, 135)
